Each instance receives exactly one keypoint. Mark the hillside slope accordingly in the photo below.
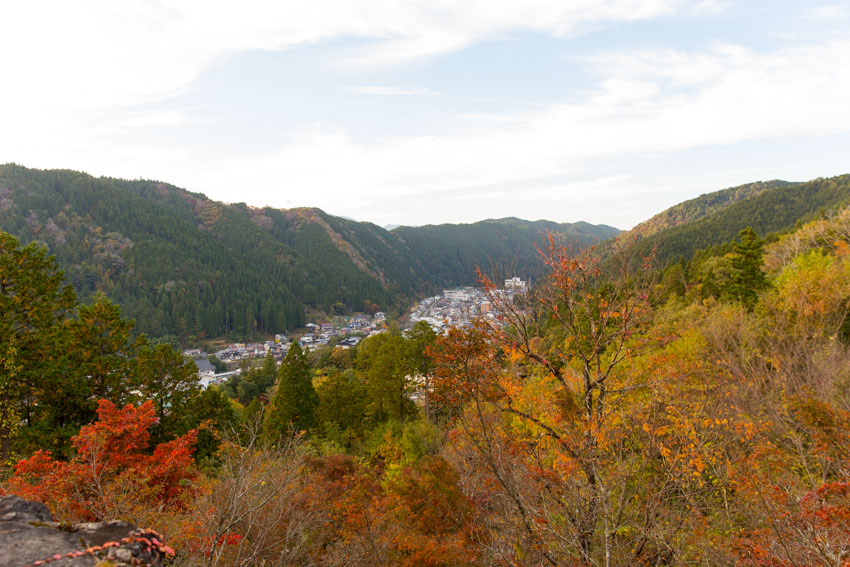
(699, 207)
(446, 251)
(768, 207)
(182, 264)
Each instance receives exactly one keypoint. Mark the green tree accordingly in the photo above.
(747, 278)
(251, 383)
(217, 363)
(420, 339)
(163, 375)
(294, 404)
(102, 350)
(342, 406)
(383, 363)
(33, 305)
(213, 411)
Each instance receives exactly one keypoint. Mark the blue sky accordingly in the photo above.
(435, 111)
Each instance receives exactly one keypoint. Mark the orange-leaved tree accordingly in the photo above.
(113, 474)
(549, 411)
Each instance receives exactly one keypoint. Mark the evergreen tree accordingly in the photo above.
(294, 404)
(343, 401)
(171, 381)
(747, 277)
(213, 411)
(384, 365)
(33, 305)
(104, 349)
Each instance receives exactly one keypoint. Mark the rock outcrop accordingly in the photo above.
(30, 537)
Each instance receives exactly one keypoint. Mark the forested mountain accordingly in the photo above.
(618, 420)
(504, 245)
(702, 206)
(182, 264)
(717, 218)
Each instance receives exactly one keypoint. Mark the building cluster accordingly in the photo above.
(459, 307)
(346, 333)
(454, 308)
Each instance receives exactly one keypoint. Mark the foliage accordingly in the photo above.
(33, 306)
(60, 357)
(181, 264)
(170, 381)
(293, 407)
(747, 278)
(777, 207)
(112, 475)
(252, 382)
(615, 415)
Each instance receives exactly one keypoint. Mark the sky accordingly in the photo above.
(432, 111)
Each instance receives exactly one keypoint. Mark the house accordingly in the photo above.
(349, 342)
(217, 379)
(205, 367)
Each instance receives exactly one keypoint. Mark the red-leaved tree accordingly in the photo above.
(113, 475)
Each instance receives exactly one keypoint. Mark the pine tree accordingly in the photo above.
(747, 277)
(162, 374)
(34, 302)
(294, 404)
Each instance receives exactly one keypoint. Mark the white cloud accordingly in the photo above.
(390, 90)
(64, 61)
(646, 103)
(94, 52)
(73, 83)
(830, 12)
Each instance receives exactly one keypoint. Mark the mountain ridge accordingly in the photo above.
(767, 207)
(183, 264)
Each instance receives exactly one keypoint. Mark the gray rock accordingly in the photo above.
(28, 535)
(14, 509)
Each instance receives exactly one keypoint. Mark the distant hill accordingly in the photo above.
(444, 252)
(182, 264)
(716, 218)
(702, 206)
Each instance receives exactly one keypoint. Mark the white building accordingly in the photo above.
(516, 285)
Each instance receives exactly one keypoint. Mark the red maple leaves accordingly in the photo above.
(113, 470)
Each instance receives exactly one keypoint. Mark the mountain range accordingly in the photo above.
(182, 264)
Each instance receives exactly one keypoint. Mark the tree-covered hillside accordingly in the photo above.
(704, 205)
(617, 420)
(445, 252)
(769, 207)
(182, 264)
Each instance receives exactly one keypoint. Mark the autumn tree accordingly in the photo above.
(262, 508)
(113, 474)
(560, 386)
